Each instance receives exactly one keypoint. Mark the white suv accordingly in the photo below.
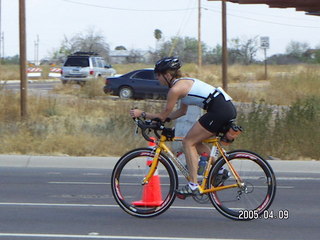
(83, 66)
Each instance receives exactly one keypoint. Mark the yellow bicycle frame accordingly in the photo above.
(161, 146)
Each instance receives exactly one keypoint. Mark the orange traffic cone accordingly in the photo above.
(151, 195)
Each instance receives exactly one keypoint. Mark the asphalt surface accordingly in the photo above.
(45, 197)
(108, 162)
(63, 197)
(35, 86)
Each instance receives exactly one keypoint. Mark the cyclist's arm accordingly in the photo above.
(179, 112)
(174, 94)
(172, 98)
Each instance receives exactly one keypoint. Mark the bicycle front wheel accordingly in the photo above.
(253, 196)
(146, 200)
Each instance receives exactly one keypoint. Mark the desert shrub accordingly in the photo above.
(297, 133)
(291, 133)
(80, 121)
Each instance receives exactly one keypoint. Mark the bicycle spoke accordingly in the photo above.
(146, 200)
(256, 192)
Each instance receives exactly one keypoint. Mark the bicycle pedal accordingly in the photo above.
(181, 196)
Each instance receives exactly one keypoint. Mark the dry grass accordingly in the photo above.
(84, 121)
(282, 87)
(68, 125)
(289, 88)
(9, 72)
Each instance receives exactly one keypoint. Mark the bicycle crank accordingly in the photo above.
(201, 198)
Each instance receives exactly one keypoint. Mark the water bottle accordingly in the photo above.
(203, 162)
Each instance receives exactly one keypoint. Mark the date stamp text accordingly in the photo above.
(267, 214)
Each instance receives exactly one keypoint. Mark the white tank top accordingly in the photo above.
(199, 92)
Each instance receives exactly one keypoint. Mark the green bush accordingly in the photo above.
(298, 133)
(287, 134)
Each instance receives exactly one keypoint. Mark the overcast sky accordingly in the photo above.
(131, 23)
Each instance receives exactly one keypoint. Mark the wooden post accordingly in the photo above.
(199, 35)
(265, 64)
(23, 59)
(224, 47)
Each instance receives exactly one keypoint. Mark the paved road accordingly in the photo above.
(33, 85)
(42, 88)
(51, 198)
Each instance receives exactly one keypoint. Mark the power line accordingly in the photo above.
(306, 19)
(189, 9)
(263, 21)
(129, 9)
(184, 22)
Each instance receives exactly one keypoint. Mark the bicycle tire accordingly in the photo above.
(147, 200)
(256, 196)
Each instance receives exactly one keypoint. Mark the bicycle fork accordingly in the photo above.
(153, 166)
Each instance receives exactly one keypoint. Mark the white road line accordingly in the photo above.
(35, 235)
(55, 204)
(92, 183)
(299, 178)
(85, 183)
(92, 174)
(102, 183)
(89, 205)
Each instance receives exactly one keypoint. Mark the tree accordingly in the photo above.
(243, 50)
(213, 56)
(317, 54)
(90, 41)
(157, 34)
(282, 59)
(297, 49)
(120, 48)
(11, 60)
(186, 48)
(135, 56)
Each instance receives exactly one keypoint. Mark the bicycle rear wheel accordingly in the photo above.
(146, 200)
(254, 196)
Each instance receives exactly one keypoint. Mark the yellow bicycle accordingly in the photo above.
(144, 180)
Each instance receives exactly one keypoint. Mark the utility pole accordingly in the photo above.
(2, 41)
(199, 35)
(36, 51)
(1, 31)
(265, 65)
(23, 59)
(224, 46)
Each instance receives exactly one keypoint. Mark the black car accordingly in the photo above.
(136, 84)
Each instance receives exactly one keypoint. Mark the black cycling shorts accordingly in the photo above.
(219, 114)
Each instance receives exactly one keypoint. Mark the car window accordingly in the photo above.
(77, 62)
(100, 63)
(97, 62)
(145, 75)
(103, 63)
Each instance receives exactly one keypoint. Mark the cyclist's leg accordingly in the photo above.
(193, 138)
(201, 148)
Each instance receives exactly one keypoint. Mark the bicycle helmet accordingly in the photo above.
(167, 63)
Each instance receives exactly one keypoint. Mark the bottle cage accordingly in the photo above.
(232, 131)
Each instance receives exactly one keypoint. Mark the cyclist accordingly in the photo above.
(191, 91)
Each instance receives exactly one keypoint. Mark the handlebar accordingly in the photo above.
(153, 124)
